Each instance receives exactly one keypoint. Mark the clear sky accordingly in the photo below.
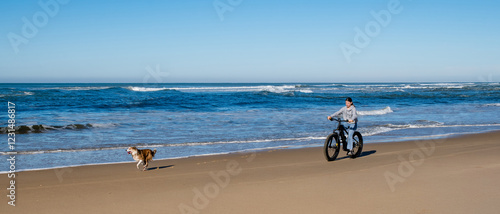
(249, 41)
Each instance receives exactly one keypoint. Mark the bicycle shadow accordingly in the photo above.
(363, 154)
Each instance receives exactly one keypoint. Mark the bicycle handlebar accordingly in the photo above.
(339, 120)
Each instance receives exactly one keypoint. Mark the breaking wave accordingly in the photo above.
(76, 88)
(264, 88)
(383, 111)
(84, 88)
(144, 89)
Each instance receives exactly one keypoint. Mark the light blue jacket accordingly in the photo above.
(347, 113)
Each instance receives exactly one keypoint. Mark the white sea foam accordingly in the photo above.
(144, 89)
(25, 93)
(268, 88)
(277, 89)
(76, 88)
(370, 131)
(402, 87)
(383, 111)
(283, 89)
(84, 88)
(438, 125)
(375, 130)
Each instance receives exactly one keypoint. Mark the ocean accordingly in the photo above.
(84, 124)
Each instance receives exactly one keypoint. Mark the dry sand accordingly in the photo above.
(455, 175)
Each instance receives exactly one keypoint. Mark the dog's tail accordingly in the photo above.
(154, 152)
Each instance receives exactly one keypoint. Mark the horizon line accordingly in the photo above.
(243, 82)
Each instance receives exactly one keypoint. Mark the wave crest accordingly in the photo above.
(383, 111)
(144, 89)
(283, 89)
(263, 88)
(85, 88)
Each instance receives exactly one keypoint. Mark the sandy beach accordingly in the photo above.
(453, 175)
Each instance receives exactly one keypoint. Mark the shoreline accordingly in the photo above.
(400, 140)
(393, 177)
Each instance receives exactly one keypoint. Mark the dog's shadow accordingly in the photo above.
(159, 167)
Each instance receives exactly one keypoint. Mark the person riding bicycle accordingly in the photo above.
(348, 113)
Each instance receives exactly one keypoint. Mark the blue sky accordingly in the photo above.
(257, 41)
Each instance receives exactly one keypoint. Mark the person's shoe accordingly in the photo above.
(349, 153)
(352, 152)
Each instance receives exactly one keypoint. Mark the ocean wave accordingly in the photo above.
(302, 88)
(263, 88)
(85, 88)
(25, 129)
(383, 111)
(145, 89)
(277, 89)
(18, 94)
(76, 88)
(370, 131)
(283, 89)
(374, 130)
(413, 86)
(445, 85)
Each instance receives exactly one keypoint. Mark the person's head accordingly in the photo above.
(348, 102)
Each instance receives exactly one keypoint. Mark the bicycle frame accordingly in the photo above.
(342, 132)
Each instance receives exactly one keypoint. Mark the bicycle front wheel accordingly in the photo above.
(332, 147)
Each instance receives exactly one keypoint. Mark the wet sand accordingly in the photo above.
(454, 175)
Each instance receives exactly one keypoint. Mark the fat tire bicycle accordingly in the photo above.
(338, 137)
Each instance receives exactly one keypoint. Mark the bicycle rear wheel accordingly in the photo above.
(331, 147)
(357, 144)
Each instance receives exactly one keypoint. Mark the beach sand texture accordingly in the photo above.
(454, 175)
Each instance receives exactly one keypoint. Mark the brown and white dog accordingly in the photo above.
(142, 156)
